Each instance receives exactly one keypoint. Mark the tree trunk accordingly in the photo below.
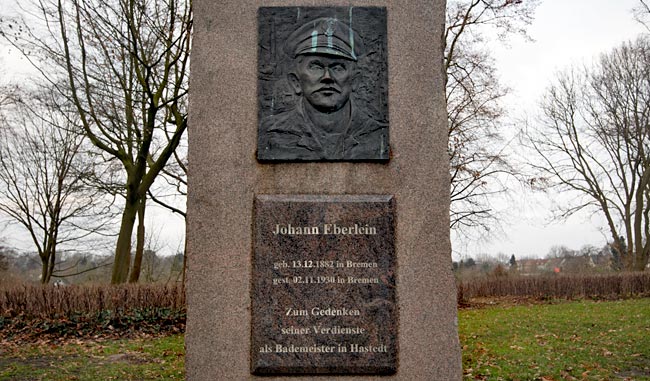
(640, 253)
(52, 262)
(123, 246)
(139, 244)
(47, 264)
(184, 262)
(44, 270)
(641, 258)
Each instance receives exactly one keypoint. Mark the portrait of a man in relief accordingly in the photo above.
(328, 113)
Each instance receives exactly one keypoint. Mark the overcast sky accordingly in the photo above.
(565, 33)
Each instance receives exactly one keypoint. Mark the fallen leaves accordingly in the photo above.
(20, 330)
(568, 341)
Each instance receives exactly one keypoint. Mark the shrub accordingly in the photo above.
(609, 286)
(33, 312)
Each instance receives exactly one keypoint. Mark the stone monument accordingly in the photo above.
(318, 229)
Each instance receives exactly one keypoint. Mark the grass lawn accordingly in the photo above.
(139, 359)
(562, 341)
(565, 341)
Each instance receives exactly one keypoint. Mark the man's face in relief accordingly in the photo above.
(325, 81)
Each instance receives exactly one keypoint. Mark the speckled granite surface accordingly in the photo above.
(323, 285)
(225, 177)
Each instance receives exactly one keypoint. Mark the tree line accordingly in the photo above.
(105, 118)
(118, 72)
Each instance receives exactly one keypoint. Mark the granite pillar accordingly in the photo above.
(225, 178)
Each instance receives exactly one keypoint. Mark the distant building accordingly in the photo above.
(570, 264)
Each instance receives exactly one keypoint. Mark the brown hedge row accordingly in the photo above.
(51, 302)
(606, 286)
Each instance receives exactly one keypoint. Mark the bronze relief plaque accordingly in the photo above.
(323, 285)
(322, 84)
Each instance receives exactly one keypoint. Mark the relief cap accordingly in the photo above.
(327, 36)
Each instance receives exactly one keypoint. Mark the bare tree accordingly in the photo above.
(173, 190)
(642, 13)
(174, 176)
(594, 141)
(125, 64)
(42, 173)
(474, 111)
(560, 251)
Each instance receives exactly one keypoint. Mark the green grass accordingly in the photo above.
(571, 340)
(150, 359)
(564, 341)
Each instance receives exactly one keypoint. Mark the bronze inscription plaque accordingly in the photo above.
(323, 292)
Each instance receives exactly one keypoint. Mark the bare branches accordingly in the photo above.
(476, 148)
(42, 171)
(594, 141)
(124, 65)
(642, 13)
